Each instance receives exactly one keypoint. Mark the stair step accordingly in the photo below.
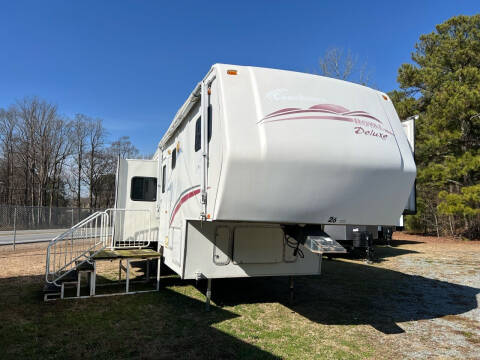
(51, 288)
(86, 266)
(70, 277)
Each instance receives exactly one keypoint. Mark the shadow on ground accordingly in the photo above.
(158, 325)
(352, 293)
(380, 253)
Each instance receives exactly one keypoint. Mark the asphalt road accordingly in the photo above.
(29, 236)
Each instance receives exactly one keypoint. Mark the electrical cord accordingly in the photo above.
(293, 244)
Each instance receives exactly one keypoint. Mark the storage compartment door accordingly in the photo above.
(223, 246)
(257, 245)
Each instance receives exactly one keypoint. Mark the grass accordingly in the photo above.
(171, 323)
(350, 312)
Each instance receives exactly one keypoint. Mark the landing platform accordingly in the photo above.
(127, 254)
(89, 266)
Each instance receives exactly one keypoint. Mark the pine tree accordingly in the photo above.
(443, 86)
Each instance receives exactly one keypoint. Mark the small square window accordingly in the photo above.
(143, 189)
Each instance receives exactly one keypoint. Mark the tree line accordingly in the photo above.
(442, 86)
(47, 159)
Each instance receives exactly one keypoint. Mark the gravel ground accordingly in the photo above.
(451, 328)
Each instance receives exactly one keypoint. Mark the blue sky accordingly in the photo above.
(133, 63)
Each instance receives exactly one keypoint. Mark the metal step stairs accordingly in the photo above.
(72, 279)
(73, 255)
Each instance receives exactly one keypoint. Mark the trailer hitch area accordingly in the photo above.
(314, 239)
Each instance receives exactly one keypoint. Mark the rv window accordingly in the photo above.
(174, 158)
(198, 134)
(209, 124)
(143, 189)
(198, 129)
(164, 170)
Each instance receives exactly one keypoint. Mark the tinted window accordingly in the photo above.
(143, 189)
(209, 122)
(198, 129)
(198, 134)
(164, 170)
(174, 158)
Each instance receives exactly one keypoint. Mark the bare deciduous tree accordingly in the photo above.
(37, 123)
(94, 165)
(344, 65)
(79, 141)
(124, 148)
(8, 125)
(41, 152)
(61, 150)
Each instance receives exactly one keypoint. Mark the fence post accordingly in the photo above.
(14, 227)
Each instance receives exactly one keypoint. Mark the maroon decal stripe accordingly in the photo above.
(183, 200)
(331, 107)
(355, 112)
(323, 111)
(322, 108)
(299, 111)
(364, 115)
(282, 111)
(326, 112)
(339, 118)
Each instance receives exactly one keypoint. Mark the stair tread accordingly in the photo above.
(71, 276)
(51, 288)
(86, 266)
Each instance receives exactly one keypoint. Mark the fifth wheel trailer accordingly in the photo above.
(257, 161)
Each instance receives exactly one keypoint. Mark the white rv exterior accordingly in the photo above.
(347, 232)
(254, 149)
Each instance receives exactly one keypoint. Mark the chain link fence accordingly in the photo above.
(27, 224)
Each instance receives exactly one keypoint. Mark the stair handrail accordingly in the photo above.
(85, 254)
(58, 237)
(117, 239)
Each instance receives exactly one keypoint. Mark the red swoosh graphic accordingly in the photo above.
(298, 111)
(367, 116)
(281, 111)
(322, 108)
(339, 118)
(182, 201)
(332, 107)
